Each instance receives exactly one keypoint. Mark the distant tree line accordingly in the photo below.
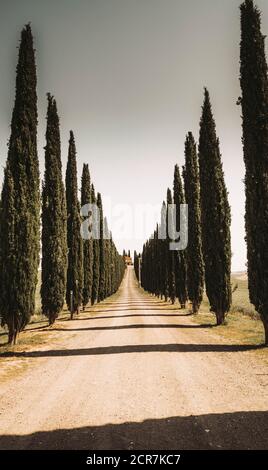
(181, 274)
(207, 260)
(74, 269)
(137, 258)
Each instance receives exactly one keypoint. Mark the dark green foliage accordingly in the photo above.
(101, 291)
(74, 239)
(136, 264)
(180, 255)
(54, 234)
(170, 253)
(96, 256)
(88, 241)
(21, 200)
(163, 259)
(8, 254)
(108, 265)
(215, 216)
(254, 86)
(156, 277)
(194, 255)
(117, 267)
(107, 258)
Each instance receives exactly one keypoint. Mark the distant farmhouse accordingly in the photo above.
(128, 260)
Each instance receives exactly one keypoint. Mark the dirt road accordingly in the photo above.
(134, 374)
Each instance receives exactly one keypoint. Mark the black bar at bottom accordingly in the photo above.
(120, 459)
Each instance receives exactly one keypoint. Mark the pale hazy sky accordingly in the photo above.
(128, 76)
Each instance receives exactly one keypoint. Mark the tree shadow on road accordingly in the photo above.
(135, 326)
(135, 348)
(95, 312)
(96, 317)
(138, 304)
(238, 430)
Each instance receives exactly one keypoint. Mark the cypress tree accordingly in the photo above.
(7, 252)
(96, 255)
(180, 257)
(194, 255)
(162, 253)
(21, 197)
(215, 216)
(107, 256)
(254, 100)
(101, 292)
(54, 234)
(156, 267)
(87, 243)
(113, 267)
(156, 261)
(170, 253)
(74, 239)
(136, 264)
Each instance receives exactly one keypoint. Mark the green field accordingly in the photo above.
(242, 323)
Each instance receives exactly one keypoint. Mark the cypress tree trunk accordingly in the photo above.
(54, 216)
(21, 197)
(96, 259)
(180, 257)
(74, 239)
(194, 255)
(87, 243)
(254, 86)
(215, 216)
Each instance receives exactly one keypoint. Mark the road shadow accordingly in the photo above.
(135, 348)
(135, 326)
(164, 315)
(238, 430)
(131, 304)
(127, 309)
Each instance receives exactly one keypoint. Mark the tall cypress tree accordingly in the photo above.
(74, 239)
(21, 196)
(101, 292)
(96, 254)
(107, 257)
(87, 243)
(215, 216)
(254, 100)
(54, 216)
(180, 257)
(194, 255)
(162, 252)
(170, 253)
(7, 252)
